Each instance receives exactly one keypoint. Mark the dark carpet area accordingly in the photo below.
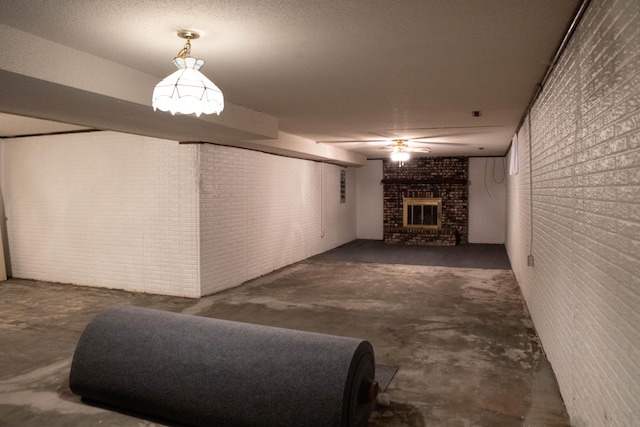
(472, 255)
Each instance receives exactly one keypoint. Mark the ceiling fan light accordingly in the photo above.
(400, 156)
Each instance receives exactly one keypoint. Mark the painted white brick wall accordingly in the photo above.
(584, 290)
(260, 212)
(338, 219)
(370, 201)
(121, 211)
(103, 209)
(487, 200)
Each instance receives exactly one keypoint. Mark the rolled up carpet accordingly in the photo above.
(203, 371)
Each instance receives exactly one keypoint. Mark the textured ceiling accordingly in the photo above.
(359, 72)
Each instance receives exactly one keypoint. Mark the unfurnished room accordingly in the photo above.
(320, 213)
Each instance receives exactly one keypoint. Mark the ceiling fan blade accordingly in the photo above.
(359, 141)
(430, 141)
(433, 131)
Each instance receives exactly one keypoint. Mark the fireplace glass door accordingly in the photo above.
(422, 213)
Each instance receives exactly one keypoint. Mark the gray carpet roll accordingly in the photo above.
(203, 371)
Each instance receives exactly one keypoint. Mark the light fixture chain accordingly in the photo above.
(185, 51)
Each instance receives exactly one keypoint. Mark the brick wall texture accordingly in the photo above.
(121, 211)
(261, 212)
(430, 177)
(102, 209)
(584, 290)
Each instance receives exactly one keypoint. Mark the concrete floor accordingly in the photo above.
(463, 341)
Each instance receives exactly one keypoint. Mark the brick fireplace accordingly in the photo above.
(413, 185)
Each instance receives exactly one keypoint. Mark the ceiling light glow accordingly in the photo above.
(400, 156)
(187, 90)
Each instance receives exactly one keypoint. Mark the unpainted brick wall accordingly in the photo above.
(583, 291)
(449, 176)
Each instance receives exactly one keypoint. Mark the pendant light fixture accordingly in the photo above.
(187, 90)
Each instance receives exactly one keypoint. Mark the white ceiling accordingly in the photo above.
(347, 74)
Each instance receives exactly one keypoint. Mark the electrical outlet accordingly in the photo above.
(530, 260)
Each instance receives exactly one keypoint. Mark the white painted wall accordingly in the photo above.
(103, 209)
(260, 212)
(121, 211)
(370, 223)
(487, 200)
(584, 289)
(3, 266)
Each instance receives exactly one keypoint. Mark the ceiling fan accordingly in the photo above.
(400, 150)
(401, 147)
